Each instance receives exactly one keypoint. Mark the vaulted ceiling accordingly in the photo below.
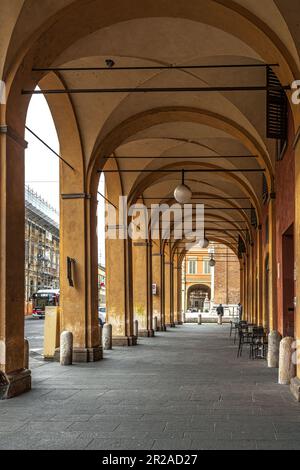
(167, 129)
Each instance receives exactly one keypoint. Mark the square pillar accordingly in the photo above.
(14, 377)
(119, 293)
(79, 295)
(158, 279)
(168, 290)
(142, 285)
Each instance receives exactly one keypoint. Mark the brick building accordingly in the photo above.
(226, 276)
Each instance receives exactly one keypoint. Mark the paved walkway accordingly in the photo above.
(184, 389)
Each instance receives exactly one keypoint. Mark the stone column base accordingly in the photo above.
(146, 333)
(162, 328)
(83, 354)
(14, 384)
(295, 388)
(124, 340)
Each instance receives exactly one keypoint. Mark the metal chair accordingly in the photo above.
(245, 337)
(233, 327)
(236, 329)
(259, 343)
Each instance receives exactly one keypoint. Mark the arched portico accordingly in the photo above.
(121, 132)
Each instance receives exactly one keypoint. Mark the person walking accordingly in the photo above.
(220, 313)
(240, 311)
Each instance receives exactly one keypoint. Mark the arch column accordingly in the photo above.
(142, 286)
(254, 283)
(12, 216)
(79, 295)
(259, 276)
(295, 382)
(168, 275)
(176, 291)
(179, 296)
(251, 284)
(272, 324)
(297, 247)
(246, 287)
(242, 296)
(158, 280)
(119, 294)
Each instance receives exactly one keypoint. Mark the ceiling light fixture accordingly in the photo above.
(182, 192)
(212, 262)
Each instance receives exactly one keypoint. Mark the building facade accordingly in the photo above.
(101, 286)
(206, 286)
(41, 246)
(227, 273)
(250, 189)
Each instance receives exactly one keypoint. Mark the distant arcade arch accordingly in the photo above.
(196, 295)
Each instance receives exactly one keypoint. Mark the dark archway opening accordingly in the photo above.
(288, 282)
(197, 295)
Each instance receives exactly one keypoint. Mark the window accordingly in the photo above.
(206, 266)
(192, 266)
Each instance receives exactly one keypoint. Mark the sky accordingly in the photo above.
(42, 166)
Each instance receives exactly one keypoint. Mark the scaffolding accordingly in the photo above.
(41, 244)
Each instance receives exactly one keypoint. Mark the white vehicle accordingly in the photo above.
(102, 315)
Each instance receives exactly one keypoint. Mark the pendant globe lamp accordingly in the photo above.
(182, 192)
(212, 262)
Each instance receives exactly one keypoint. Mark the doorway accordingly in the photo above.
(288, 283)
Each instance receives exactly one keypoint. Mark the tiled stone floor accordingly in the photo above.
(183, 389)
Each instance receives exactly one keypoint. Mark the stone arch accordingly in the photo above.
(145, 120)
(198, 288)
(224, 15)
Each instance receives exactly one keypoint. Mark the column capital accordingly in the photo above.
(142, 244)
(76, 196)
(12, 134)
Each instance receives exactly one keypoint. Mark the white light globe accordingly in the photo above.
(183, 194)
(204, 243)
(212, 263)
